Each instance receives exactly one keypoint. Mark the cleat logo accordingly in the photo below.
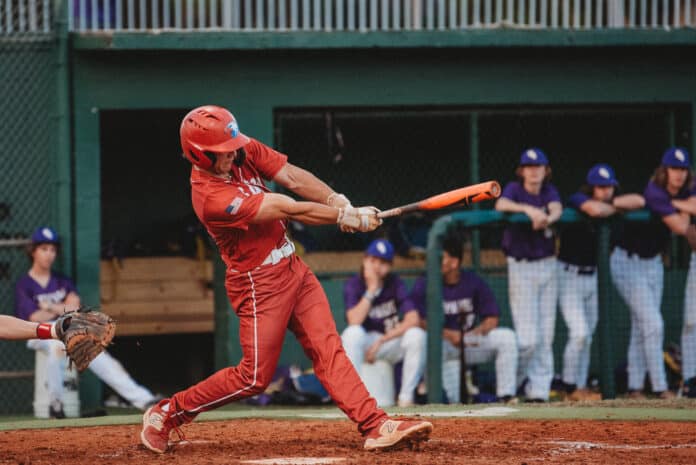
(390, 427)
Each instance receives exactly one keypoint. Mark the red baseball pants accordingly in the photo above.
(267, 301)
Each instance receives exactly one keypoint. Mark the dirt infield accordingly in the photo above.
(455, 441)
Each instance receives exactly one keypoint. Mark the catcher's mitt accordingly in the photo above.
(691, 236)
(85, 333)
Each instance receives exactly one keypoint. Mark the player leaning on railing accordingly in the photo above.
(637, 270)
(577, 262)
(269, 287)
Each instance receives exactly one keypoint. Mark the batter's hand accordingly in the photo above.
(363, 219)
(340, 201)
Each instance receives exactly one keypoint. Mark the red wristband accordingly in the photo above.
(43, 331)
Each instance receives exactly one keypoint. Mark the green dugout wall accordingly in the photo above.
(257, 75)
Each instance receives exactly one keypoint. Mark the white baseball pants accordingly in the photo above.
(499, 345)
(640, 282)
(688, 342)
(580, 309)
(410, 348)
(107, 368)
(533, 290)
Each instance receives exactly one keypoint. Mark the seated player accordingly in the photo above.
(41, 296)
(382, 322)
(471, 318)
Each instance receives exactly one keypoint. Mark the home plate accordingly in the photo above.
(296, 461)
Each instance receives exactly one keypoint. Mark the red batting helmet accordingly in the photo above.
(207, 131)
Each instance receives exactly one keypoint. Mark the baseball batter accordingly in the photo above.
(532, 282)
(41, 296)
(471, 313)
(577, 262)
(269, 287)
(383, 322)
(637, 269)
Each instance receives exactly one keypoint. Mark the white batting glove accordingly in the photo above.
(337, 200)
(363, 219)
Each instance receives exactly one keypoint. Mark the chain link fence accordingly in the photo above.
(391, 157)
(27, 129)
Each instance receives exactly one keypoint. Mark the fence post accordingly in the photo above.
(434, 306)
(606, 324)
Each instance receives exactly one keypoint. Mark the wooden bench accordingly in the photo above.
(158, 295)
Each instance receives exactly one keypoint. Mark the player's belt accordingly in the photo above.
(280, 253)
(584, 270)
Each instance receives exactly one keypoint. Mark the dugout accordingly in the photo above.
(638, 92)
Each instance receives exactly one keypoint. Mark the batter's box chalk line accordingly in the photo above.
(296, 461)
(571, 446)
(485, 412)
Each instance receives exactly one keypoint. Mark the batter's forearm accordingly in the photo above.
(305, 184)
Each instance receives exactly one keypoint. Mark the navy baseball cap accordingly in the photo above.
(676, 157)
(381, 248)
(45, 235)
(601, 175)
(533, 156)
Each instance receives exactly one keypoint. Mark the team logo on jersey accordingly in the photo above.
(603, 172)
(680, 155)
(233, 129)
(532, 154)
(233, 207)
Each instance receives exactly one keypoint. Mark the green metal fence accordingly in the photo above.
(29, 179)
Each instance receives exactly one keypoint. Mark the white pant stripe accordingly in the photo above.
(256, 358)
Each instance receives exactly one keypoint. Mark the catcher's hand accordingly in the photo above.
(85, 333)
(691, 236)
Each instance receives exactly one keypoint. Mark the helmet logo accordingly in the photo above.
(47, 233)
(532, 154)
(233, 128)
(603, 172)
(680, 155)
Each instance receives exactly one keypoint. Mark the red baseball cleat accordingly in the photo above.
(394, 434)
(156, 428)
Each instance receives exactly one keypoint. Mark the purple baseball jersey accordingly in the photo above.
(471, 298)
(649, 239)
(387, 308)
(520, 240)
(28, 293)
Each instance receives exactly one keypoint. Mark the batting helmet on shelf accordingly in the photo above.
(207, 131)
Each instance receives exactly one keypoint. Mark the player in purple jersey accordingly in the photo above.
(383, 323)
(41, 296)
(532, 280)
(577, 262)
(637, 271)
(471, 312)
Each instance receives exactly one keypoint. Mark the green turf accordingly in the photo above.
(681, 410)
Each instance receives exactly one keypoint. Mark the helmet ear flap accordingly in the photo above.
(211, 156)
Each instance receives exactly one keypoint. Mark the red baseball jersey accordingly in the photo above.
(227, 205)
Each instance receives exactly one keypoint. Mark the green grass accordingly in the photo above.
(679, 410)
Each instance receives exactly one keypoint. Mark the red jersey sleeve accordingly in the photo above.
(232, 210)
(266, 160)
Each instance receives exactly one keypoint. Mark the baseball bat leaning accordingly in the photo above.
(464, 195)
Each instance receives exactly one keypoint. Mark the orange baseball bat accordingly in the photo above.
(464, 195)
